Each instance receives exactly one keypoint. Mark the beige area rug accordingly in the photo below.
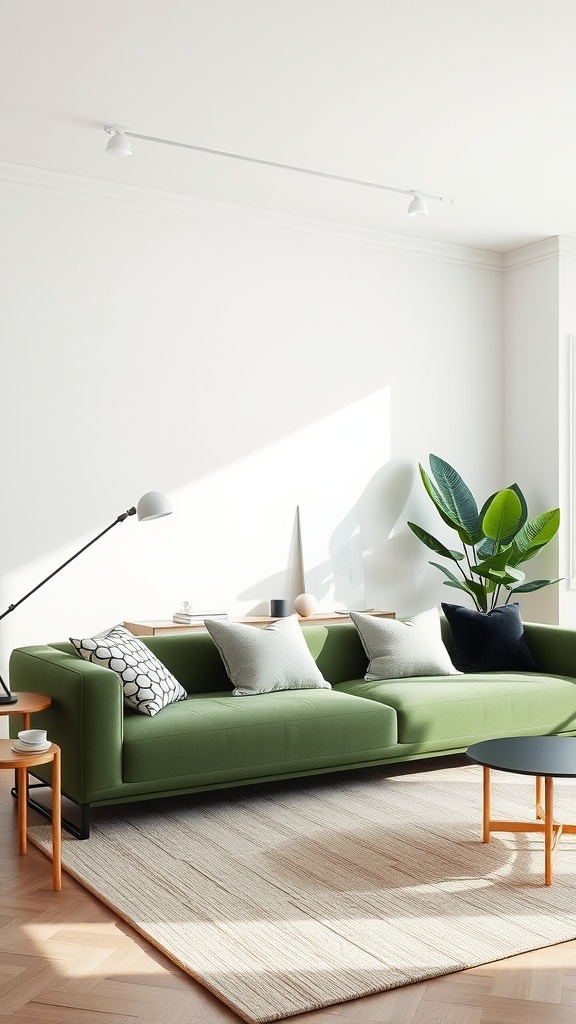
(291, 897)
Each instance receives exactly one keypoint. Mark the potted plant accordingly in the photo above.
(495, 540)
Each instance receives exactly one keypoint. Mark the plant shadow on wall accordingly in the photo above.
(364, 533)
(385, 547)
(364, 537)
(496, 539)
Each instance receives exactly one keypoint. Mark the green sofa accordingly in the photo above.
(111, 754)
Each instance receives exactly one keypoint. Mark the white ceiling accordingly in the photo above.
(474, 101)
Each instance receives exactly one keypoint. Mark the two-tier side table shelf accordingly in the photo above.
(25, 706)
(21, 764)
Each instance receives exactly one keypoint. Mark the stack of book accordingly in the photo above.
(188, 618)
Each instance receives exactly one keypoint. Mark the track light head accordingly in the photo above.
(417, 207)
(118, 145)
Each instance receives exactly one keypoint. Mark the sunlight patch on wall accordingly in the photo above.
(246, 513)
(231, 543)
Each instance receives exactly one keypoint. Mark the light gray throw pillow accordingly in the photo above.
(399, 648)
(262, 660)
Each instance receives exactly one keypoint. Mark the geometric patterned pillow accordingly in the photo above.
(148, 685)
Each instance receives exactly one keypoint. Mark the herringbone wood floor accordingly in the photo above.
(65, 958)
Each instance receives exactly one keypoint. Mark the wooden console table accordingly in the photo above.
(165, 627)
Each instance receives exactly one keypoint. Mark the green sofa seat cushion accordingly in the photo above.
(444, 712)
(217, 737)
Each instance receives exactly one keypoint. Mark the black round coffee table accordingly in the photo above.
(545, 757)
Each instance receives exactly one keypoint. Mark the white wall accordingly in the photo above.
(531, 401)
(228, 359)
(567, 429)
(540, 317)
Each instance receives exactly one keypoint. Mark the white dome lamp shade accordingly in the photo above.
(153, 505)
(417, 207)
(118, 145)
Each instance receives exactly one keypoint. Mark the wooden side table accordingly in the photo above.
(21, 764)
(26, 705)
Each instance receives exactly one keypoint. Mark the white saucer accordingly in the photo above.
(27, 748)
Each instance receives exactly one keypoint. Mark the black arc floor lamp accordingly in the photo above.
(151, 505)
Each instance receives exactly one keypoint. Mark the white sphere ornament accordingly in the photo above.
(305, 604)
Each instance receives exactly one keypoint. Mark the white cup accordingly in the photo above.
(33, 737)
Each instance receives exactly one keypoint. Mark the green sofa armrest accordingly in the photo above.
(85, 717)
(552, 647)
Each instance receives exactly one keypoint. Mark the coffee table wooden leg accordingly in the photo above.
(539, 796)
(56, 824)
(548, 828)
(22, 775)
(485, 804)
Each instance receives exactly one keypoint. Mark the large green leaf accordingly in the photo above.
(523, 514)
(476, 591)
(534, 535)
(503, 516)
(485, 549)
(458, 501)
(523, 517)
(496, 561)
(435, 545)
(485, 508)
(527, 588)
(446, 572)
(438, 500)
(503, 577)
(479, 591)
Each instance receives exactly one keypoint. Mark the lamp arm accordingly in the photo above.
(6, 690)
(11, 607)
(9, 698)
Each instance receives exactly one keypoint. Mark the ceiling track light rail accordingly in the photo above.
(119, 146)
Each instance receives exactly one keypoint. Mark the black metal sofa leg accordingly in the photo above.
(80, 827)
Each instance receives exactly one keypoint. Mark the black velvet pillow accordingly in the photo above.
(489, 641)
